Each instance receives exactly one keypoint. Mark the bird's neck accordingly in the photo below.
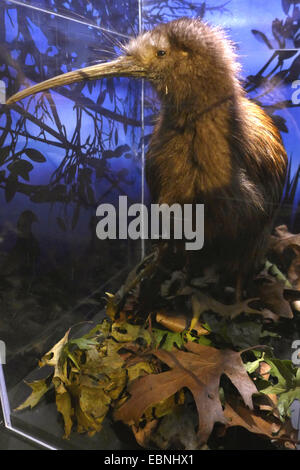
(195, 146)
(211, 146)
(184, 113)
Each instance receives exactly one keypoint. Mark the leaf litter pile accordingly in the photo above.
(182, 366)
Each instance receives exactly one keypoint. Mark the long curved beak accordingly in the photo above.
(121, 67)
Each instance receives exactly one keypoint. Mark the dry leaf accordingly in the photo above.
(125, 332)
(264, 370)
(143, 435)
(140, 368)
(39, 388)
(283, 239)
(239, 415)
(199, 370)
(53, 358)
(64, 406)
(94, 402)
(271, 293)
(111, 306)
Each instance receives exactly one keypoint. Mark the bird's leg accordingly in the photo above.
(240, 282)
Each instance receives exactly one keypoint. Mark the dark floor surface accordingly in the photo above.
(11, 441)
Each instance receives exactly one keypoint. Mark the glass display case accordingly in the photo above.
(65, 151)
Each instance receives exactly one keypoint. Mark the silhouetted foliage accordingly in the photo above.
(271, 86)
(37, 46)
(267, 85)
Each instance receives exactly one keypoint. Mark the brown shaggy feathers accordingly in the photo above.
(211, 144)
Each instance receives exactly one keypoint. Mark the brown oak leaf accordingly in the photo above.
(271, 293)
(283, 239)
(199, 369)
(238, 415)
(280, 242)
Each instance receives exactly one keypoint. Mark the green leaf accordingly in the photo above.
(206, 326)
(270, 334)
(275, 271)
(158, 335)
(286, 387)
(286, 399)
(298, 377)
(204, 340)
(171, 339)
(102, 329)
(124, 332)
(167, 339)
(284, 371)
(252, 366)
(83, 343)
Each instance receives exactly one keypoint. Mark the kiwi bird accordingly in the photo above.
(210, 145)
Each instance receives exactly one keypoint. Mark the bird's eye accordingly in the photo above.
(161, 53)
